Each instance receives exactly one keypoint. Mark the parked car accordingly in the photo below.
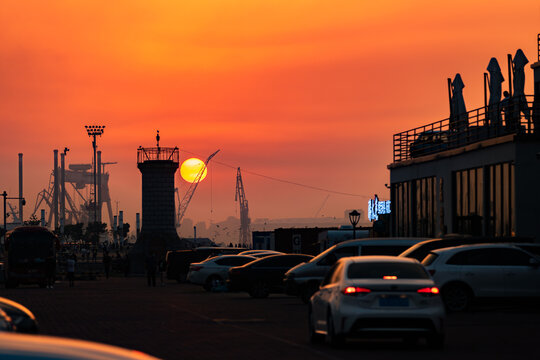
(264, 276)
(303, 280)
(466, 272)
(21, 346)
(213, 273)
(178, 261)
(422, 249)
(260, 253)
(23, 319)
(374, 296)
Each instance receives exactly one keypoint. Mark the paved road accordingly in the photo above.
(181, 321)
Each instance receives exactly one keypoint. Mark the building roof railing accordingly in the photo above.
(157, 153)
(513, 116)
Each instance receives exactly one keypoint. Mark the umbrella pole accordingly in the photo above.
(486, 83)
(509, 57)
(450, 95)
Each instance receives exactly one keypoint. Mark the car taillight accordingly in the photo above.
(195, 268)
(432, 272)
(428, 291)
(353, 290)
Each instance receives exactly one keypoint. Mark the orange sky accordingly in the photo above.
(308, 91)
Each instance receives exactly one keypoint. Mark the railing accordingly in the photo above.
(158, 153)
(506, 117)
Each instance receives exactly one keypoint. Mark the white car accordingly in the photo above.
(483, 270)
(213, 273)
(18, 346)
(377, 296)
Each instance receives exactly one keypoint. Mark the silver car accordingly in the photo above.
(374, 296)
(213, 273)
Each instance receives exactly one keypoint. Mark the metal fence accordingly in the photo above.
(158, 153)
(506, 117)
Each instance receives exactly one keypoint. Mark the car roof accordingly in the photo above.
(377, 258)
(475, 246)
(382, 241)
(47, 347)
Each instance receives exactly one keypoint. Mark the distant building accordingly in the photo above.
(482, 178)
(263, 240)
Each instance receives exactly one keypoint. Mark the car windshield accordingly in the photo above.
(386, 270)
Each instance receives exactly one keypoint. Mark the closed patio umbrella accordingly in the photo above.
(459, 117)
(495, 86)
(519, 61)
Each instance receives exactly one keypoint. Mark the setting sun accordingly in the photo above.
(191, 168)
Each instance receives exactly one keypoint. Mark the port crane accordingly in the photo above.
(240, 197)
(184, 203)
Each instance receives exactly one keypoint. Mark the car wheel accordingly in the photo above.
(331, 337)
(213, 283)
(436, 341)
(308, 292)
(314, 337)
(259, 290)
(456, 297)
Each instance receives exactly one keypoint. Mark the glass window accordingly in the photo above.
(378, 270)
(513, 257)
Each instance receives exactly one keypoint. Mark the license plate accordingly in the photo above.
(394, 301)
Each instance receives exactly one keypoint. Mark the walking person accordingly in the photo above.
(162, 267)
(71, 270)
(50, 271)
(151, 267)
(106, 264)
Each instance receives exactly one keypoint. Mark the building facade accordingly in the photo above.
(482, 178)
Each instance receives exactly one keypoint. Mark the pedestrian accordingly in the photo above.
(71, 270)
(50, 271)
(151, 265)
(162, 267)
(106, 264)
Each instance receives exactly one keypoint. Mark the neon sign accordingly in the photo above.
(376, 208)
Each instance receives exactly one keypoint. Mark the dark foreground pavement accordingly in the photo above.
(182, 321)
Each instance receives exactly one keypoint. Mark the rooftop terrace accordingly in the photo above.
(507, 117)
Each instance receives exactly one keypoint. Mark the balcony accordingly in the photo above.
(157, 154)
(511, 117)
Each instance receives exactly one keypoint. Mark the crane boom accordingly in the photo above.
(244, 210)
(183, 205)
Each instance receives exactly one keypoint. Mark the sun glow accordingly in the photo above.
(191, 168)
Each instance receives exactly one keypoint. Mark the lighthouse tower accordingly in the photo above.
(158, 166)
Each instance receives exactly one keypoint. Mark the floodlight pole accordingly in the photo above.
(93, 131)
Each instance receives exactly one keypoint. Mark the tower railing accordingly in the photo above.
(157, 154)
(513, 116)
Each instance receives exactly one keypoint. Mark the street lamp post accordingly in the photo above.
(354, 218)
(93, 131)
(5, 195)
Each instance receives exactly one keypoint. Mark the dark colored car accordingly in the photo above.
(421, 250)
(22, 318)
(178, 261)
(264, 276)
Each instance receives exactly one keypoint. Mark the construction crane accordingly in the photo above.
(183, 205)
(244, 211)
